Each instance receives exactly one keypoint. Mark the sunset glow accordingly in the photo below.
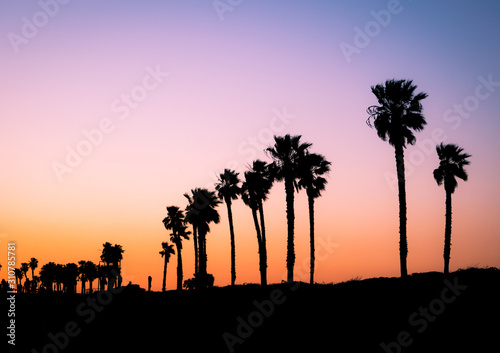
(112, 111)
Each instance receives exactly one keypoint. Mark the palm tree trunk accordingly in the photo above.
(263, 281)
(233, 247)
(179, 267)
(310, 200)
(259, 242)
(195, 241)
(164, 274)
(403, 245)
(447, 235)
(202, 255)
(290, 218)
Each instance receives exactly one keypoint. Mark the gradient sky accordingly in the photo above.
(222, 85)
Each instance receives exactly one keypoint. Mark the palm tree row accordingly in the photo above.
(291, 163)
(396, 118)
(64, 278)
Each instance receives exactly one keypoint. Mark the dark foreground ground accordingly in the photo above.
(423, 313)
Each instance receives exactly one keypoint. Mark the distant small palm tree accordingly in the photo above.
(112, 256)
(286, 152)
(398, 114)
(33, 265)
(451, 166)
(18, 273)
(82, 272)
(204, 210)
(228, 189)
(175, 222)
(48, 275)
(168, 249)
(312, 168)
(91, 273)
(25, 268)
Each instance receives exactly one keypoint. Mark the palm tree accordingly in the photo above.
(228, 189)
(168, 249)
(286, 154)
(91, 273)
(82, 272)
(258, 182)
(312, 167)
(112, 256)
(48, 275)
(191, 218)
(175, 221)
(18, 273)
(204, 208)
(102, 272)
(33, 264)
(70, 275)
(25, 268)
(395, 119)
(451, 165)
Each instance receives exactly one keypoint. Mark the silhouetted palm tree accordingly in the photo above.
(258, 182)
(83, 276)
(102, 273)
(18, 273)
(175, 222)
(91, 273)
(70, 275)
(48, 275)
(112, 257)
(312, 167)
(33, 265)
(191, 218)
(168, 249)
(451, 166)
(204, 209)
(286, 152)
(228, 189)
(395, 119)
(25, 268)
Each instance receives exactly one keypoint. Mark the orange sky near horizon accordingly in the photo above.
(209, 94)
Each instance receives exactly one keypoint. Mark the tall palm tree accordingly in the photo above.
(25, 268)
(397, 116)
(228, 189)
(255, 188)
(286, 153)
(204, 208)
(175, 222)
(312, 168)
(192, 218)
(168, 249)
(33, 264)
(452, 161)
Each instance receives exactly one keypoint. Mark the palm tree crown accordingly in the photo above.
(451, 165)
(399, 112)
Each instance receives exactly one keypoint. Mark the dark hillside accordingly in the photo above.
(425, 312)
